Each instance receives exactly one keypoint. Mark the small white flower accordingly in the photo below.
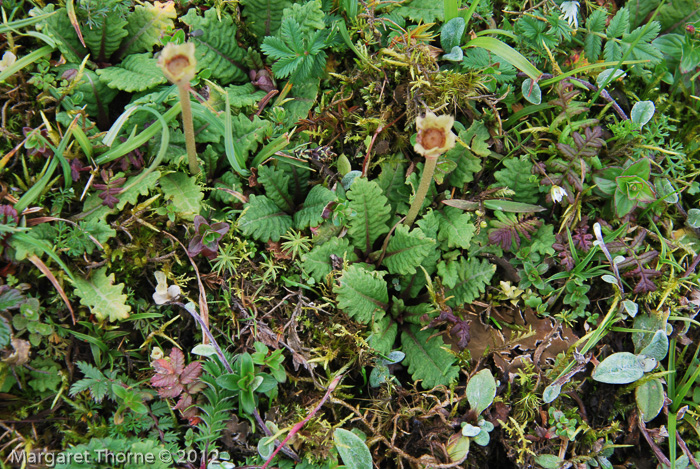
(164, 293)
(570, 10)
(157, 353)
(8, 59)
(557, 193)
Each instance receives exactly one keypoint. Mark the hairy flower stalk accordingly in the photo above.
(434, 138)
(179, 66)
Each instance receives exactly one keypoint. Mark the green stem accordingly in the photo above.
(428, 171)
(188, 127)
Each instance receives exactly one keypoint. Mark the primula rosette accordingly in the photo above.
(435, 135)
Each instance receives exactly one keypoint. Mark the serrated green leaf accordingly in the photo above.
(263, 219)
(481, 390)
(146, 25)
(276, 184)
(472, 145)
(5, 332)
(317, 262)
(426, 11)
(104, 38)
(263, 17)
(94, 380)
(474, 275)
(311, 213)
(516, 176)
(362, 294)
(137, 72)
(244, 96)
(619, 24)
(301, 100)
(383, 335)
(372, 213)
(353, 451)
(392, 180)
(216, 47)
(248, 134)
(427, 359)
(406, 250)
(448, 273)
(184, 193)
(96, 94)
(103, 296)
(456, 229)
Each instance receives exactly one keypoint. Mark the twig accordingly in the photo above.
(300, 425)
(657, 451)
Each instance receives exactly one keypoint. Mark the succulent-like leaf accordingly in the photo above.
(371, 213)
(406, 250)
(474, 275)
(137, 72)
(318, 261)
(427, 359)
(362, 294)
(353, 451)
(184, 193)
(619, 368)
(103, 296)
(481, 390)
(311, 212)
(650, 398)
(216, 45)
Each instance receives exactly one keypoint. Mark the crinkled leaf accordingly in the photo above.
(276, 184)
(311, 213)
(427, 359)
(383, 335)
(474, 275)
(318, 263)
(216, 46)
(406, 250)
(137, 72)
(263, 219)
(146, 25)
(371, 210)
(362, 294)
(263, 17)
(516, 176)
(426, 11)
(456, 229)
(104, 298)
(392, 180)
(184, 193)
(467, 154)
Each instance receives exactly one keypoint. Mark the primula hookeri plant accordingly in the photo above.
(434, 138)
(206, 237)
(179, 66)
